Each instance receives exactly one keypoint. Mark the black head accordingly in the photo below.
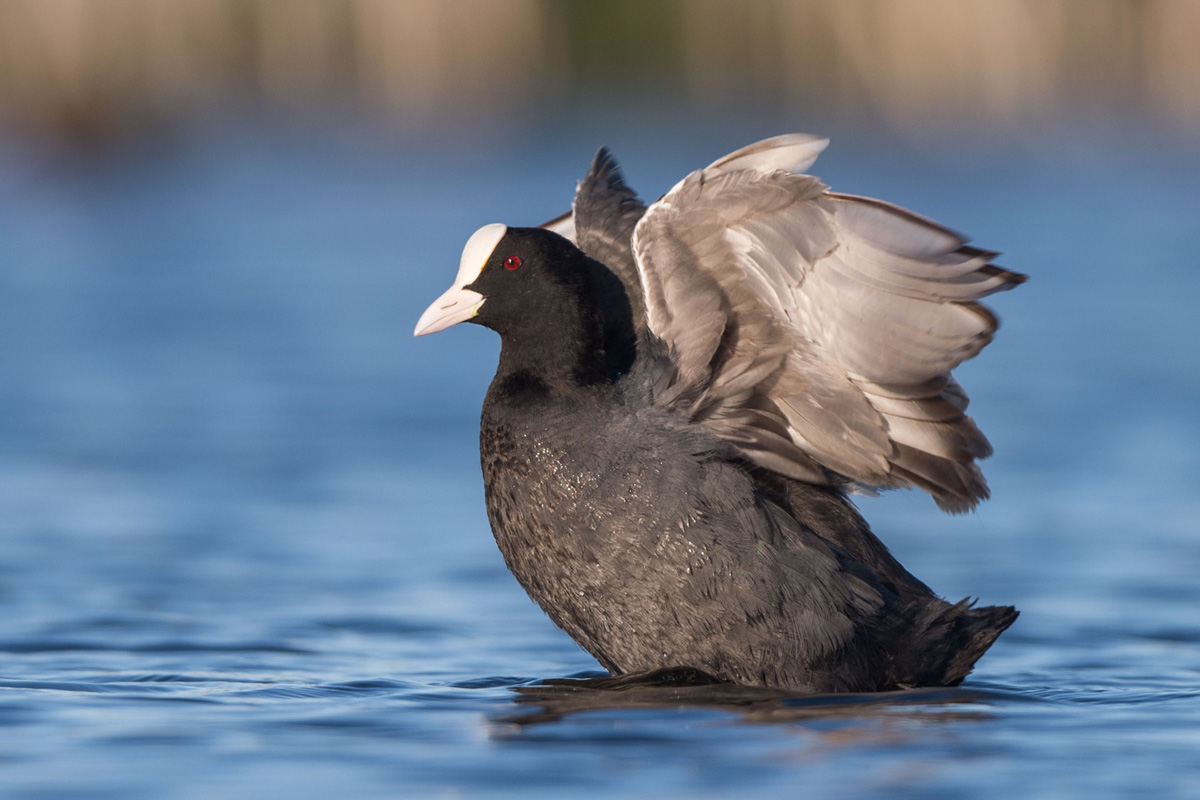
(536, 288)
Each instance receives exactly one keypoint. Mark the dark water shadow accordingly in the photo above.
(556, 698)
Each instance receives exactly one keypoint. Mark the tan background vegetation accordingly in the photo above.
(112, 65)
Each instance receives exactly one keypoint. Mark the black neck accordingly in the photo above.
(562, 355)
(575, 335)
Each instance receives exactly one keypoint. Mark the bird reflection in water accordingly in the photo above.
(553, 699)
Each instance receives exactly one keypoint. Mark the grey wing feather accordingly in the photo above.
(815, 330)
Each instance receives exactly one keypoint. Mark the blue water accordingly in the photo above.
(243, 551)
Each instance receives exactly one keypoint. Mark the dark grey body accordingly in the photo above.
(652, 544)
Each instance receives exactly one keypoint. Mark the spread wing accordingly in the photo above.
(817, 331)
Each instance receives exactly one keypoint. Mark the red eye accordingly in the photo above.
(512, 262)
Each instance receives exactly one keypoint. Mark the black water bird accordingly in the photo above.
(686, 393)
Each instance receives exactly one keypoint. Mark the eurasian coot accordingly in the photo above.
(687, 391)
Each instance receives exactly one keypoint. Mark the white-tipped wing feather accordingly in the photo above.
(815, 330)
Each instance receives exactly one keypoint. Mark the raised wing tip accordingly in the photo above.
(604, 182)
(791, 152)
(603, 156)
(605, 167)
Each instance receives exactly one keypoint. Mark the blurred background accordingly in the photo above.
(230, 476)
(89, 71)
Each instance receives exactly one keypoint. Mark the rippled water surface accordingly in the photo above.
(243, 550)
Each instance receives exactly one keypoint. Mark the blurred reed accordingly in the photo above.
(86, 68)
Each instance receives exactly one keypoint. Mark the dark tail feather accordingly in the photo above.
(946, 640)
(976, 629)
